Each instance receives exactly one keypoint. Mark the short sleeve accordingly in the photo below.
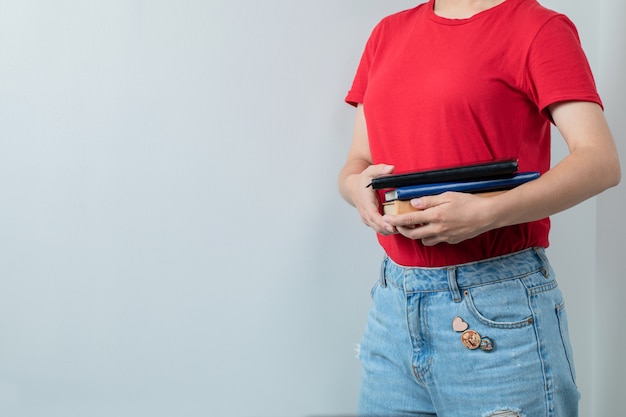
(356, 93)
(558, 69)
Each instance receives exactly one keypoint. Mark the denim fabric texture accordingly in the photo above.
(415, 364)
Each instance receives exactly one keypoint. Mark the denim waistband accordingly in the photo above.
(458, 277)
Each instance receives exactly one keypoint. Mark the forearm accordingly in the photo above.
(584, 173)
(349, 178)
(591, 167)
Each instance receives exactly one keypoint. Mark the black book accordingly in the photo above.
(488, 170)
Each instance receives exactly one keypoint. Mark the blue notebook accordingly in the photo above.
(478, 186)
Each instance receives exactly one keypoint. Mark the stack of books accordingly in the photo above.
(484, 179)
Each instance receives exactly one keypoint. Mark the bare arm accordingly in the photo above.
(358, 172)
(591, 166)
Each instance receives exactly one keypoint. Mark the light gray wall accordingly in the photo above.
(609, 308)
(172, 239)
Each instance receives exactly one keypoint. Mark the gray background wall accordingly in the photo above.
(172, 241)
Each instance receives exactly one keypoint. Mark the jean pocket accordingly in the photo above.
(503, 305)
(374, 288)
(564, 332)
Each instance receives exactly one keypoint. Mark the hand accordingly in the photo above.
(365, 200)
(449, 217)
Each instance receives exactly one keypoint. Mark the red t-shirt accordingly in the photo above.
(439, 92)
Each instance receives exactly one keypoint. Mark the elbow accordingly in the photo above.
(617, 173)
(616, 180)
(608, 167)
(613, 173)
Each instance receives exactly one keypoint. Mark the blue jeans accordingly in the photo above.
(483, 339)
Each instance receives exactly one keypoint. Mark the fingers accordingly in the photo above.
(378, 170)
(367, 203)
(427, 202)
(372, 218)
(449, 217)
(408, 220)
(422, 224)
(376, 222)
(420, 232)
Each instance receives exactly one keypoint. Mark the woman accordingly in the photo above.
(467, 318)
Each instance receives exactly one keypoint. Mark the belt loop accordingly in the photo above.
(454, 287)
(383, 272)
(545, 265)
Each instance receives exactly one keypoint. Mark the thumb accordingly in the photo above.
(380, 169)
